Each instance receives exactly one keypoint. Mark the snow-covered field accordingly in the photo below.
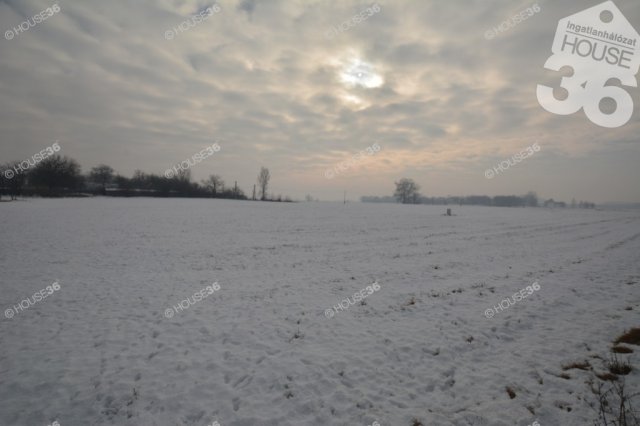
(269, 348)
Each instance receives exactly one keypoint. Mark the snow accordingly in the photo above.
(262, 351)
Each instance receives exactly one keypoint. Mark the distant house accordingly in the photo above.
(586, 205)
(555, 204)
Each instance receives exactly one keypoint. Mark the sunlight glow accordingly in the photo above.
(357, 72)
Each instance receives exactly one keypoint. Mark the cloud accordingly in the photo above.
(265, 78)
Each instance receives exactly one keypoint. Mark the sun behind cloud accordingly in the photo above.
(357, 72)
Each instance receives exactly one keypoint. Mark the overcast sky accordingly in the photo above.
(275, 86)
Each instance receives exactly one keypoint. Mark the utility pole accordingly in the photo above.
(254, 192)
(345, 197)
(235, 189)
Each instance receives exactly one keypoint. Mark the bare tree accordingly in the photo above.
(103, 175)
(531, 199)
(407, 191)
(5, 173)
(214, 184)
(56, 173)
(184, 175)
(263, 182)
(12, 179)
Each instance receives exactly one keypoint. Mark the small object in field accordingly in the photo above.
(448, 212)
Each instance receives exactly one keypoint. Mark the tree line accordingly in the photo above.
(407, 191)
(57, 176)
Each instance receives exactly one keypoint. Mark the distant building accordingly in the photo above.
(555, 204)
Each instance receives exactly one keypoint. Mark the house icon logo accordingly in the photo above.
(600, 44)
